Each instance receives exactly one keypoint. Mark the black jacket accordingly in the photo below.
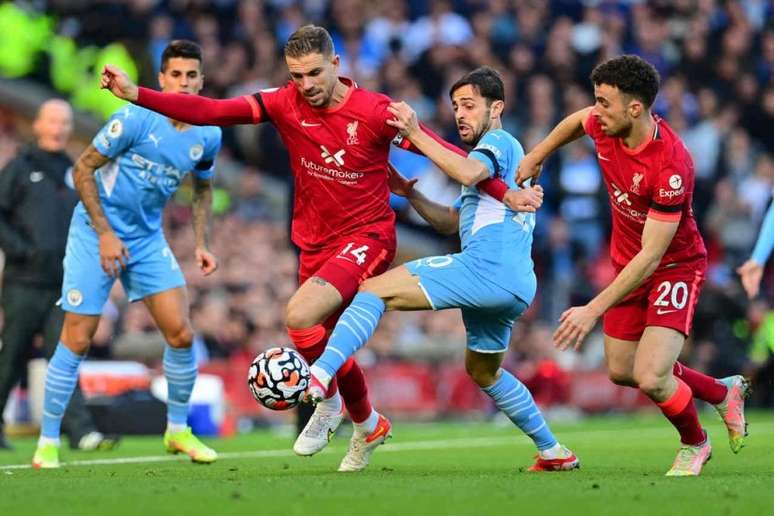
(36, 203)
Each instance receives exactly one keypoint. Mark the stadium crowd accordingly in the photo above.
(716, 60)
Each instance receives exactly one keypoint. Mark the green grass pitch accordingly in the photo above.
(426, 469)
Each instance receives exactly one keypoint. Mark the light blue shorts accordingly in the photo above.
(152, 268)
(488, 310)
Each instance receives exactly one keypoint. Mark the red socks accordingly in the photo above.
(680, 410)
(310, 342)
(354, 390)
(704, 387)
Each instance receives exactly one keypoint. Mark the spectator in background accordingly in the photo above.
(36, 202)
(720, 54)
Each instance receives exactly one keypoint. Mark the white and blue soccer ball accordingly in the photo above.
(278, 378)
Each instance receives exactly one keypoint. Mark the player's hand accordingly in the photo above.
(751, 273)
(399, 185)
(575, 325)
(528, 200)
(206, 261)
(113, 254)
(119, 84)
(529, 168)
(405, 119)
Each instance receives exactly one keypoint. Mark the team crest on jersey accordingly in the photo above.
(196, 152)
(636, 180)
(74, 297)
(675, 182)
(115, 128)
(352, 133)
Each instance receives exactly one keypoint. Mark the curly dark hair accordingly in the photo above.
(486, 80)
(631, 74)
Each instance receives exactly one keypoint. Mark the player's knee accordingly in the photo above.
(371, 285)
(652, 384)
(621, 377)
(76, 337)
(77, 342)
(482, 375)
(298, 317)
(180, 337)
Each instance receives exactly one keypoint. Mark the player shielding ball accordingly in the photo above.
(124, 178)
(492, 280)
(657, 252)
(338, 141)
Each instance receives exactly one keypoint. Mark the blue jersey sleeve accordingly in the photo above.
(494, 151)
(122, 131)
(457, 203)
(205, 169)
(766, 238)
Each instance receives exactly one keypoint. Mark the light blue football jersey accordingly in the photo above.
(149, 160)
(496, 240)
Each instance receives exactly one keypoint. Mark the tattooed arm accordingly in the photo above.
(113, 254)
(202, 204)
(83, 176)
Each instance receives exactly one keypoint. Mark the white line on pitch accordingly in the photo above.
(458, 443)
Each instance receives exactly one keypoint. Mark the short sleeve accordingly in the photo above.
(493, 151)
(120, 132)
(268, 104)
(669, 194)
(205, 169)
(387, 132)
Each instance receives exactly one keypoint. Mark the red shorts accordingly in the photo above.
(347, 263)
(667, 299)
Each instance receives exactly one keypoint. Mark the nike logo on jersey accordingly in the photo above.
(36, 176)
(304, 123)
(152, 137)
(662, 312)
(600, 156)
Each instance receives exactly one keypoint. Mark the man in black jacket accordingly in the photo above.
(36, 202)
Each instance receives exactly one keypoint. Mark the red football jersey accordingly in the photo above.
(654, 180)
(339, 160)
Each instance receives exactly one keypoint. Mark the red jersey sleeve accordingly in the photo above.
(268, 104)
(668, 195)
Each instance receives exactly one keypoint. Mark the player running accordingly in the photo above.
(338, 143)
(124, 178)
(491, 280)
(657, 251)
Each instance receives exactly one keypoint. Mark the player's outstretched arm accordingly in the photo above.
(202, 207)
(444, 219)
(494, 186)
(191, 109)
(751, 271)
(113, 253)
(460, 168)
(577, 322)
(566, 131)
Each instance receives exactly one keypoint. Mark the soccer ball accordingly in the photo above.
(278, 378)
